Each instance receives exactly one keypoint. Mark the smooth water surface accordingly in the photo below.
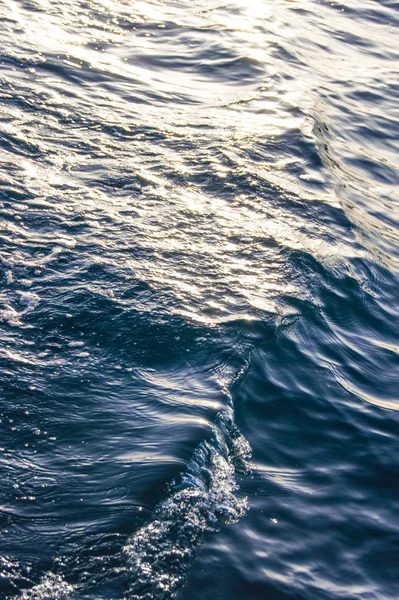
(199, 301)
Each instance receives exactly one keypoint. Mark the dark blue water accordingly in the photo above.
(199, 305)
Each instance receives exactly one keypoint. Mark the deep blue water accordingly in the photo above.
(199, 305)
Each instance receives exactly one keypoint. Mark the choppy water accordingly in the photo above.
(199, 263)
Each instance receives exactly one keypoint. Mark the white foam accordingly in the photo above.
(66, 242)
(29, 299)
(10, 315)
(25, 282)
(161, 552)
(51, 586)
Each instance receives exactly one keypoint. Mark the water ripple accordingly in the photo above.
(198, 227)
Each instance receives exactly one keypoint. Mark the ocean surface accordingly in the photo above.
(199, 300)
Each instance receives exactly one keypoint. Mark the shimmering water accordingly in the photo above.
(199, 300)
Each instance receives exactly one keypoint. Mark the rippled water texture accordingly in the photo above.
(199, 301)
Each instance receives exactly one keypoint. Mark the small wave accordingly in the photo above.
(52, 586)
(160, 554)
(9, 315)
(29, 299)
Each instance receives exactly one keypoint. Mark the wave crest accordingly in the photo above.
(160, 554)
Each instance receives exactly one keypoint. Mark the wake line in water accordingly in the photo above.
(159, 555)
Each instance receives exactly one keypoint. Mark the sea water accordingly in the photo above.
(199, 301)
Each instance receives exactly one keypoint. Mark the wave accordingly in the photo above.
(161, 552)
(157, 558)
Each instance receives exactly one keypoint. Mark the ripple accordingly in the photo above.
(198, 248)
